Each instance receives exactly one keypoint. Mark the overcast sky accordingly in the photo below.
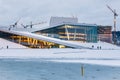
(87, 11)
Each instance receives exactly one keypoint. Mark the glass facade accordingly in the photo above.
(81, 33)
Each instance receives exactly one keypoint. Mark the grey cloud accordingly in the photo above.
(88, 11)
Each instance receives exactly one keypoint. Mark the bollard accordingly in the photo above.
(82, 70)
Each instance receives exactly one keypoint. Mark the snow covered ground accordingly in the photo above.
(18, 62)
(101, 57)
(109, 54)
(103, 45)
(4, 43)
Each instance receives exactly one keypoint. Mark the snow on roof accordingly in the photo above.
(45, 38)
(20, 29)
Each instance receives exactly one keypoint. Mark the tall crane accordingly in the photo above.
(31, 24)
(14, 25)
(115, 15)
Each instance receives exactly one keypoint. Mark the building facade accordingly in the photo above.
(72, 32)
(60, 31)
(105, 33)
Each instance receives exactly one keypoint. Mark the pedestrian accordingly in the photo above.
(100, 47)
(97, 47)
(92, 46)
(7, 46)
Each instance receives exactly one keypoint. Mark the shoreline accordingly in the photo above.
(98, 57)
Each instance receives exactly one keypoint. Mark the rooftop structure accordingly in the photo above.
(60, 20)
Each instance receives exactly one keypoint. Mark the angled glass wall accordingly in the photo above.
(81, 33)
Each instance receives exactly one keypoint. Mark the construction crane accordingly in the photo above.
(115, 15)
(31, 24)
(14, 25)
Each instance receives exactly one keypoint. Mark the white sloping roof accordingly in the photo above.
(63, 42)
(40, 37)
(20, 29)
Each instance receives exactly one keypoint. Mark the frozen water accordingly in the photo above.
(45, 70)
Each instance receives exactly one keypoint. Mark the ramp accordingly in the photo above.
(48, 39)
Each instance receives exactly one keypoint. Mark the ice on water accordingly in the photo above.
(47, 70)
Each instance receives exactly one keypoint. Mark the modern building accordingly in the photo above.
(68, 28)
(71, 32)
(105, 33)
(62, 32)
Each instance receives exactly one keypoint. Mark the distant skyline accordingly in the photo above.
(87, 11)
